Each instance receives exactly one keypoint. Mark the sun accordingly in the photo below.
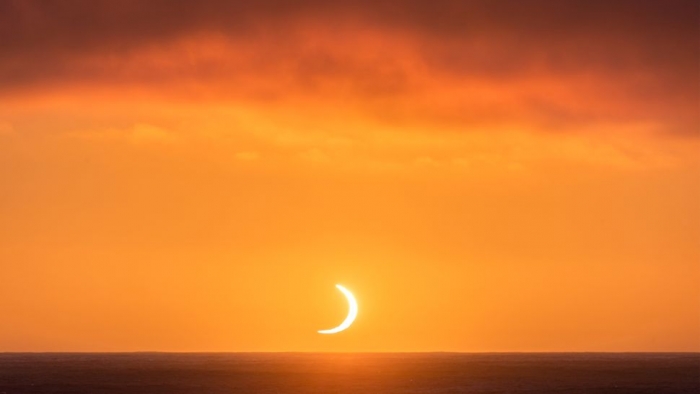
(352, 312)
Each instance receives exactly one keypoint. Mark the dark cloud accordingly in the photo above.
(648, 51)
(39, 25)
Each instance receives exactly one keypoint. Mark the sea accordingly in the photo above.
(351, 373)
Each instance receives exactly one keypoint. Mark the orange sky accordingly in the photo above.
(484, 176)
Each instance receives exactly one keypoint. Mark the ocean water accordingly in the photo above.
(293, 373)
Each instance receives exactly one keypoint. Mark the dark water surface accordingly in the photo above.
(155, 373)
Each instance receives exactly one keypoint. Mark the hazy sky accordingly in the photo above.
(483, 175)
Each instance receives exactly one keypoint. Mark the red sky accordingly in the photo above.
(485, 176)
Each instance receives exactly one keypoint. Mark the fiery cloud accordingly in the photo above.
(546, 66)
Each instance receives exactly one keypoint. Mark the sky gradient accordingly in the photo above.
(484, 176)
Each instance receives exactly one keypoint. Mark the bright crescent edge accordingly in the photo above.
(352, 313)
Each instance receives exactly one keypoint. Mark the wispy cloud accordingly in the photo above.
(137, 134)
(247, 156)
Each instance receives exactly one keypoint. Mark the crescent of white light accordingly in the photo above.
(352, 313)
